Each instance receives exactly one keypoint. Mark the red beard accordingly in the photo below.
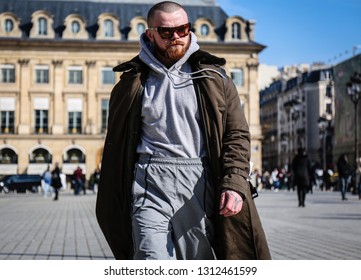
(170, 52)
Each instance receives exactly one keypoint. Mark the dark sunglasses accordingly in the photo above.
(167, 32)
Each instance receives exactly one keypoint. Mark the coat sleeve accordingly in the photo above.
(235, 143)
(113, 198)
(242, 235)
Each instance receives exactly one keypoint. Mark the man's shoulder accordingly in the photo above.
(135, 64)
(202, 57)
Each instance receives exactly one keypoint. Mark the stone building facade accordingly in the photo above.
(298, 111)
(56, 60)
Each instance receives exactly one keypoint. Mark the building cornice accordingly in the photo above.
(69, 45)
(234, 48)
(55, 45)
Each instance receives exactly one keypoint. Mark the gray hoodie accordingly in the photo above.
(170, 115)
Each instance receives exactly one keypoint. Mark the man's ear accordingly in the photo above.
(150, 35)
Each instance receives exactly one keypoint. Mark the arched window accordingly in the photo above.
(74, 155)
(9, 25)
(204, 29)
(108, 28)
(236, 31)
(42, 26)
(8, 156)
(75, 27)
(42, 22)
(40, 155)
(140, 28)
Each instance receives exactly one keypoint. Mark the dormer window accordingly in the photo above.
(108, 28)
(204, 29)
(9, 25)
(75, 27)
(140, 28)
(42, 26)
(137, 27)
(236, 31)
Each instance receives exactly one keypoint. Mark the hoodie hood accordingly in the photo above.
(170, 114)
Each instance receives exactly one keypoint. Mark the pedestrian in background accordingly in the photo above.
(327, 175)
(290, 184)
(358, 177)
(344, 172)
(256, 179)
(56, 180)
(46, 182)
(79, 181)
(275, 179)
(301, 168)
(175, 165)
(95, 177)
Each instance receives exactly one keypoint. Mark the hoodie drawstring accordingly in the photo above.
(189, 76)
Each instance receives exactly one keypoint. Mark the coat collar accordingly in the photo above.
(197, 58)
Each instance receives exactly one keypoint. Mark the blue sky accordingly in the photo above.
(302, 31)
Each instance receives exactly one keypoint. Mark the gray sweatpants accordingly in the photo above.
(169, 209)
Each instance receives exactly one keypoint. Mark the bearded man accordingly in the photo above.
(175, 164)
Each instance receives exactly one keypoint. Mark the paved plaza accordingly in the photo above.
(327, 228)
(36, 228)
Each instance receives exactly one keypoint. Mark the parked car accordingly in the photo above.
(20, 183)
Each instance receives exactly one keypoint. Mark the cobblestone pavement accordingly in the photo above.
(36, 228)
(327, 228)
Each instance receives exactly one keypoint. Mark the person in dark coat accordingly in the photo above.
(344, 172)
(79, 181)
(358, 177)
(175, 109)
(301, 168)
(56, 181)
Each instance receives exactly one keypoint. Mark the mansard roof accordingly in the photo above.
(126, 14)
(89, 10)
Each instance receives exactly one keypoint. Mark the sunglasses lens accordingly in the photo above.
(181, 31)
(167, 32)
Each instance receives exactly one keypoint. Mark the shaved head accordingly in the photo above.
(165, 6)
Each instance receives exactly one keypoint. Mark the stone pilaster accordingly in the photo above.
(24, 98)
(57, 103)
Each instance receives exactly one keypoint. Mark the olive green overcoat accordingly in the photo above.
(227, 140)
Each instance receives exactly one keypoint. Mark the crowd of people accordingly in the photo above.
(343, 177)
(54, 180)
(331, 179)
